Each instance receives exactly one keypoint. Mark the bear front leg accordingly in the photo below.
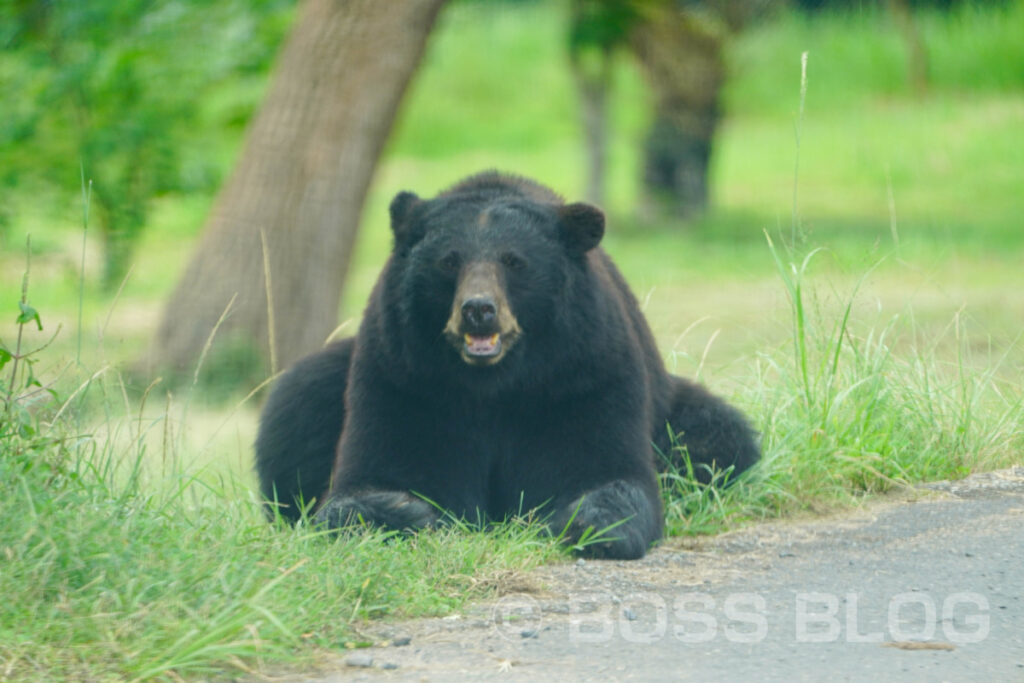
(632, 512)
(389, 509)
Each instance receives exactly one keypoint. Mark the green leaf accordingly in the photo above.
(28, 314)
(5, 357)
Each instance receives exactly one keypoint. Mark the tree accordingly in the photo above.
(680, 48)
(681, 55)
(115, 85)
(270, 264)
(597, 29)
(902, 13)
(917, 53)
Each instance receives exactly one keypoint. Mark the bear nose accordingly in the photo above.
(479, 312)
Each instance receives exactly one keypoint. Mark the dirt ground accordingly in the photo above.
(926, 586)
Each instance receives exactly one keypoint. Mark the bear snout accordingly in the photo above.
(480, 315)
(481, 327)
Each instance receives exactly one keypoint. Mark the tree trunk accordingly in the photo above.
(291, 208)
(592, 83)
(681, 54)
(917, 53)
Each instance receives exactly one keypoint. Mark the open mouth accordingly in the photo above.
(481, 346)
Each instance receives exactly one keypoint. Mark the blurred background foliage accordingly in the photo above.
(151, 100)
(136, 93)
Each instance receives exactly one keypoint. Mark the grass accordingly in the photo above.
(127, 566)
(849, 410)
(859, 54)
(877, 349)
(850, 414)
(115, 582)
(129, 563)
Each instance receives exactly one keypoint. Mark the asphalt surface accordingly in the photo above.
(930, 588)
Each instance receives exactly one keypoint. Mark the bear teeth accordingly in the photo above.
(482, 345)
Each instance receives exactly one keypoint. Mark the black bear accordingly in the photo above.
(502, 365)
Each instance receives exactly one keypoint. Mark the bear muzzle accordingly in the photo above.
(481, 327)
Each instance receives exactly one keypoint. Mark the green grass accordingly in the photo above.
(859, 54)
(131, 561)
(848, 410)
(129, 566)
(891, 355)
(111, 581)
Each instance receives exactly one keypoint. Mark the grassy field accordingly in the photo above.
(873, 335)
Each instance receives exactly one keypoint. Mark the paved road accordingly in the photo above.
(931, 589)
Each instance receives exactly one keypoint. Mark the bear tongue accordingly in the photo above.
(481, 345)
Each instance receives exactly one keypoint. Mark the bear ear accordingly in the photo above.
(401, 207)
(581, 225)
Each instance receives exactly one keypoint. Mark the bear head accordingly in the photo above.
(489, 266)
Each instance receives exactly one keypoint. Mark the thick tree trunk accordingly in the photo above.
(291, 208)
(681, 55)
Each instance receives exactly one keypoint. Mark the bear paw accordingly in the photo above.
(389, 509)
(615, 521)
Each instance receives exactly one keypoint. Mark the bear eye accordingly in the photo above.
(450, 261)
(512, 261)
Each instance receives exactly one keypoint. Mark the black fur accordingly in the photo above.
(300, 428)
(562, 418)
